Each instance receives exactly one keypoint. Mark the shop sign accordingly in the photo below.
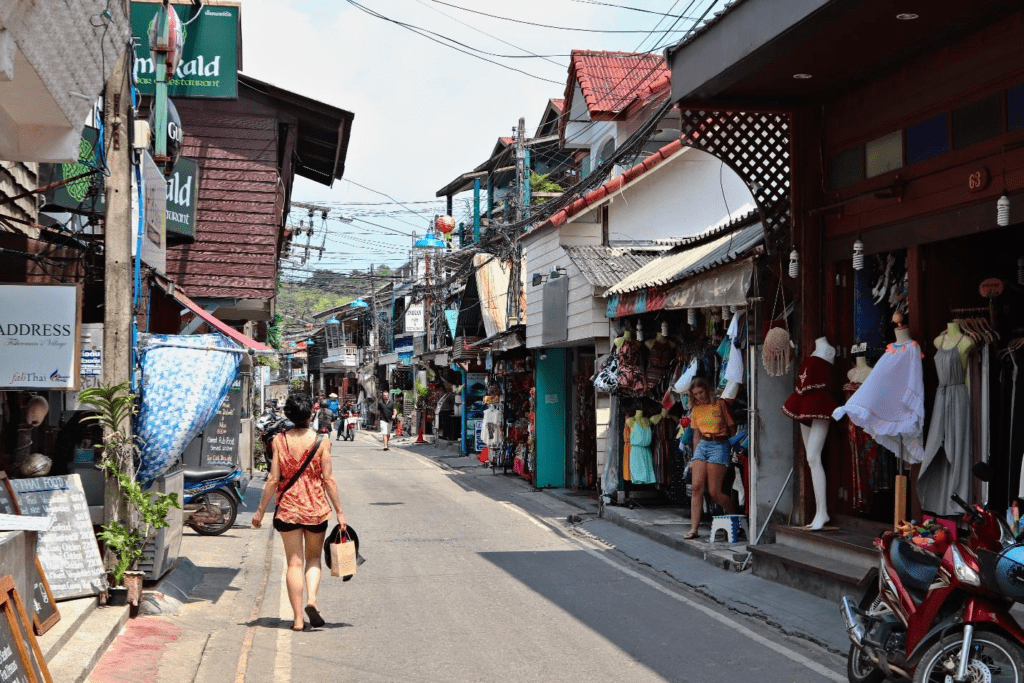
(84, 195)
(182, 195)
(39, 336)
(349, 359)
(991, 288)
(154, 216)
(414, 319)
(209, 61)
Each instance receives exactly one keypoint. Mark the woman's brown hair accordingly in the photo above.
(701, 382)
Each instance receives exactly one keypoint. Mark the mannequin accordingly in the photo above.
(812, 404)
(860, 371)
(662, 336)
(954, 338)
(641, 461)
(622, 338)
(902, 331)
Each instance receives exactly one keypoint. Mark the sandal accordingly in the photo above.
(315, 620)
(693, 535)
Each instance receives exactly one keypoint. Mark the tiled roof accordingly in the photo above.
(700, 253)
(559, 104)
(606, 266)
(614, 185)
(694, 33)
(611, 81)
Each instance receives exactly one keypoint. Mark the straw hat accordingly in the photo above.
(332, 396)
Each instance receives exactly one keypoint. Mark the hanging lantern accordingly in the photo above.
(444, 224)
(794, 264)
(691, 317)
(1003, 210)
(858, 255)
(726, 313)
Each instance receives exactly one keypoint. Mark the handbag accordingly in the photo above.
(341, 552)
(607, 379)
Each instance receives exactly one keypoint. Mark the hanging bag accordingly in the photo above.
(607, 379)
(341, 552)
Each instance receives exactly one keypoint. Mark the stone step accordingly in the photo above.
(809, 571)
(847, 546)
(72, 648)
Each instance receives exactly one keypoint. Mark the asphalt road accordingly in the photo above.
(463, 584)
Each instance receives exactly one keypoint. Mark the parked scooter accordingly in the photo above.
(212, 498)
(945, 617)
(268, 425)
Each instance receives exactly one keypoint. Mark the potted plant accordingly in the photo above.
(144, 513)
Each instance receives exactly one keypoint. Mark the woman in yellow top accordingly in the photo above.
(712, 426)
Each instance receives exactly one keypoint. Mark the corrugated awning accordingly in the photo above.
(218, 325)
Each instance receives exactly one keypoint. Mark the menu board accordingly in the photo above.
(21, 661)
(44, 607)
(68, 552)
(8, 501)
(220, 438)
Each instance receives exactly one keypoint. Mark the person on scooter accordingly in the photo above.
(303, 481)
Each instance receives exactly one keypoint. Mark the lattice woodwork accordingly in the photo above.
(756, 146)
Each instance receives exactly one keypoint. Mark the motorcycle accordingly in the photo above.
(268, 425)
(942, 617)
(212, 498)
(348, 430)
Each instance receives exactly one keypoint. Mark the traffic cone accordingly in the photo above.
(419, 436)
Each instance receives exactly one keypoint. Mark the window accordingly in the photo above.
(883, 154)
(1015, 107)
(585, 166)
(607, 150)
(846, 168)
(928, 139)
(977, 121)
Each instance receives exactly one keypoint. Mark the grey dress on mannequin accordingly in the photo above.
(950, 434)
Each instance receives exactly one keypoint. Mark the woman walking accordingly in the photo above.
(303, 481)
(712, 427)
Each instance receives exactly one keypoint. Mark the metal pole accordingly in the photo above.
(160, 101)
(476, 210)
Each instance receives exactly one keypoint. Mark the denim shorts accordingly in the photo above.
(713, 452)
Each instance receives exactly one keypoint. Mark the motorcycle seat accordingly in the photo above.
(208, 473)
(916, 568)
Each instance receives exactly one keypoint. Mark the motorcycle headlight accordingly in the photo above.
(964, 572)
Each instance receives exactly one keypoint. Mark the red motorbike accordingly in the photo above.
(942, 618)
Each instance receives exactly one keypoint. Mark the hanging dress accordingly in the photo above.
(949, 434)
(812, 399)
(889, 405)
(864, 454)
(659, 364)
(631, 370)
(626, 432)
(641, 460)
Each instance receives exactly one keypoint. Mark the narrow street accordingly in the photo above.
(467, 578)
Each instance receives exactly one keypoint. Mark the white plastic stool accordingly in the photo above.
(731, 525)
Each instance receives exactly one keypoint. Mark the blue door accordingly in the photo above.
(552, 413)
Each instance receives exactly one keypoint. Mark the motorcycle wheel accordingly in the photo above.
(859, 667)
(993, 658)
(215, 505)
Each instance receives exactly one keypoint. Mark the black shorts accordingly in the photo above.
(281, 525)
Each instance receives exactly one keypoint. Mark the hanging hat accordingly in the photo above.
(778, 352)
(332, 396)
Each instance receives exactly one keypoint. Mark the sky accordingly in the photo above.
(424, 113)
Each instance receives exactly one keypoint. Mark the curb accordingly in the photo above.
(77, 658)
(172, 591)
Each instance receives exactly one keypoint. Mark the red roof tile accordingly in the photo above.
(559, 104)
(612, 186)
(611, 81)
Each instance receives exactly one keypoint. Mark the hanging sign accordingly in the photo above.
(182, 195)
(39, 338)
(414, 320)
(209, 59)
(154, 235)
(991, 288)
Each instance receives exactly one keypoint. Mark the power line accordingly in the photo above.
(424, 33)
(634, 9)
(531, 23)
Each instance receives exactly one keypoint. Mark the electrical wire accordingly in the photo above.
(531, 23)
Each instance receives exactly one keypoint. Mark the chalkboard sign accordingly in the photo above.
(21, 661)
(68, 552)
(8, 500)
(220, 438)
(44, 607)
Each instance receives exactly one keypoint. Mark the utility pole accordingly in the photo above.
(117, 248)
(522, 210)
(373, 311)
(521, 177)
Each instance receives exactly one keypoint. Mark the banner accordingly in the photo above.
(39, 338)
(209, 61)
(414, 320)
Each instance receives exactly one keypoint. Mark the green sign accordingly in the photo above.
(182, 195)
(209, 60)
(84, 195)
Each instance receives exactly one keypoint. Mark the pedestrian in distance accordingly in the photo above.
(386, 412)
(712, 427)
(303, 481)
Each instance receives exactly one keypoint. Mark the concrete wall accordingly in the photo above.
(774, 452)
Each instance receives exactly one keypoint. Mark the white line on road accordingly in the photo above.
(721, 618)
(283, 658)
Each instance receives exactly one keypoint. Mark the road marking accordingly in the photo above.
(254, 613)
(721, 618)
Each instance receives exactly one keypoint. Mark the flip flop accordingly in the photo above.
(315, 620)
(693, 535)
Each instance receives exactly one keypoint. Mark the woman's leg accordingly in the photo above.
(698, 477)
(716, 475)
(314, 546)
(293, 576)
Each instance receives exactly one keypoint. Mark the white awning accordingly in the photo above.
(723, 286)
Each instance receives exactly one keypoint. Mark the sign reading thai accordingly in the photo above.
(209, 61)
(182, 194)
(39, 336)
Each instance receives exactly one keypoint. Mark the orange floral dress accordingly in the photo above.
(306, 501)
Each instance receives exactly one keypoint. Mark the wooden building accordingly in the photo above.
(905, 126)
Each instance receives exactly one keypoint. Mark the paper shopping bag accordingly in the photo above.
(343, 558)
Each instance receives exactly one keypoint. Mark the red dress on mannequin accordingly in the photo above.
(812, 399)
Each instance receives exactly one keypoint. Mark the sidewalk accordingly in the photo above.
(654, 537)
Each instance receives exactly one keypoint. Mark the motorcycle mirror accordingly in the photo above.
(983, 471)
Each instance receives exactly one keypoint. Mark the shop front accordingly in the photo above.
(907, 207)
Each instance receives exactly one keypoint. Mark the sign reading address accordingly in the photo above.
(39, 336)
